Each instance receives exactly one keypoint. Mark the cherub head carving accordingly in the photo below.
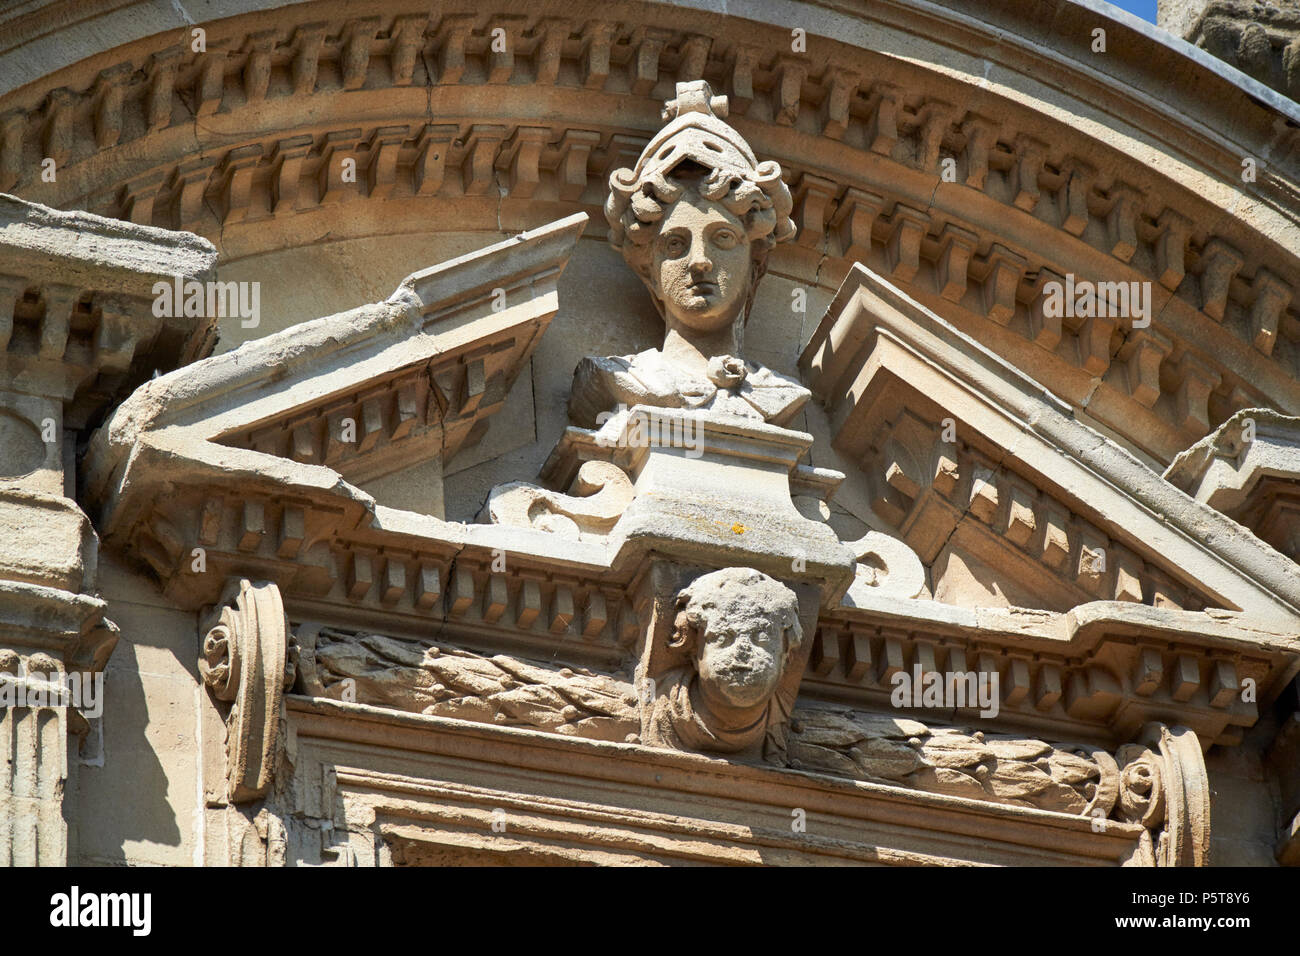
(697, 216)
(741, 627)
(737, 630)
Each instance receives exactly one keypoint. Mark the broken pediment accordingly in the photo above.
(671, 597)
(1005, 495)
(256, 455)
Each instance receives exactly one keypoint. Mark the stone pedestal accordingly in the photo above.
(708, 488)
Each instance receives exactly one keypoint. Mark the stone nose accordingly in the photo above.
(700, 264)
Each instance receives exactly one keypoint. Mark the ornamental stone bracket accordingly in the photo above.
(680, 468)
(247, 662)
(1163, 786)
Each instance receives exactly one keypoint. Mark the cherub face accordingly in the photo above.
(701, 264)
(740, 668)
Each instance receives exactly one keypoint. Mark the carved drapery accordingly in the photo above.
(246, 662)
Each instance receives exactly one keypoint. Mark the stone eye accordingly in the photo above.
(674, 246)
(725, 239)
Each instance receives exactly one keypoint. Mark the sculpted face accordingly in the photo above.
(740, 667)
(701, 264)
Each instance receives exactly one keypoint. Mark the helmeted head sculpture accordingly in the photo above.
(698, 214)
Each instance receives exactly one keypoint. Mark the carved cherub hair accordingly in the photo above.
(696, 149)
(737, 597)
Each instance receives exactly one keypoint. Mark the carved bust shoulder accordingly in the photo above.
(728, 385)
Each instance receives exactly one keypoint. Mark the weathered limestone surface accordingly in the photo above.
(76, 335)
(631, 411)
(1260, 39)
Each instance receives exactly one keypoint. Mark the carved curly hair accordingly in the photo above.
(637, 206)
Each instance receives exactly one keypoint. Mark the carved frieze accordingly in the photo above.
(1158, 782)
(442, 680)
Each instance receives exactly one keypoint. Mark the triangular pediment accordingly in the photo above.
(1007, 495)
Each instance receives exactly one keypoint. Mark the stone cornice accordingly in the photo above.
(274, 413)
(1103, 669)
(875, 347)
(1097, 672)
(1023, 184)
(175, 492)
(77, 323)
(679, 806)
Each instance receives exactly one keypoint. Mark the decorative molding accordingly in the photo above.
(1100, 671)
(1247, 469)
(437, 679)
(1158, 783)
(944, 495)
(628, 803)
(600, 493)
(78, 324)
(247, 663)
(878, 352)
(561, 164)
(1164, 787)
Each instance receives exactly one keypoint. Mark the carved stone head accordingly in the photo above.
(698, 214)
(740, 626)
(737, 630)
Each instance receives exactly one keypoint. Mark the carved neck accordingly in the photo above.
(692, 350)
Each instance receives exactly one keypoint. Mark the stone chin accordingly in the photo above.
(706, 310)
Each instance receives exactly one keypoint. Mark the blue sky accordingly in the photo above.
(1146, 9)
